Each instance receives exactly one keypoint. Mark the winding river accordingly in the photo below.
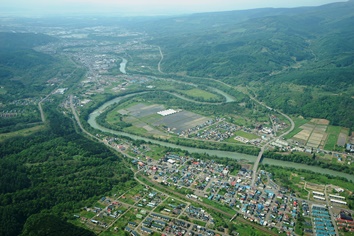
(122, 65)
(234, 155)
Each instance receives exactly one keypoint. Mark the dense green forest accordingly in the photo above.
(43, 224)
(24, 77)
(56, 169)
(24, 71)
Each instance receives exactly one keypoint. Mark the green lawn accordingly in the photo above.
(87, 214)
(333, 133)
(246, 135)
(241, 121)
(156, 152)
(199, 93)
(199, 222)
(136, 130)
(219, 206)
(22, 132)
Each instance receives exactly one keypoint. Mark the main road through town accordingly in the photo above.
(260, 154)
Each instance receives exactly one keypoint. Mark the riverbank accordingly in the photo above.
(234, 155)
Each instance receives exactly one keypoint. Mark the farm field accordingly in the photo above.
(298, 122)
(313, 133)
(146, 117)
(317, 133)
(333, 133)
(342, 138)
(181, 121)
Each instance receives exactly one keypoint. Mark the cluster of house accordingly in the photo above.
(322, 223)
(219, 132)
(155, 222)
(345, 221)
(264, 207)
(10, 114)
(349, 147)
(223, 130)
(198, 213)
(109, 211)
(191, 131)
(213, 181)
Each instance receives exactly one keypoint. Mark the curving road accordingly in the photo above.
(259, 157)
(159, 64)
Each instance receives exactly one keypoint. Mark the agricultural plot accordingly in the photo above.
(333, 136)
(141, 110)
(313, 134)
(318, 136)
(146, 117)
(342, 138)
(181, 121)
(320, 121)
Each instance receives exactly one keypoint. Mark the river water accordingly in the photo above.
(234, 155)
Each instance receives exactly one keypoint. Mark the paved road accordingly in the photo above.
(46, 97)
(260, 154)
(40, 105)
(159, 64)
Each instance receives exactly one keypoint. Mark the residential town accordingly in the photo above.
(146, 210)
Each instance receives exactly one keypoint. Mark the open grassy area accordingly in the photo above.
(219, 206)
(199, 93)
(246, 135)
(22, 132)
(245, 229)
(136, 130)
(333, 132)
(241, 121)
(292, 177)
(2, 90)
(156, 152)
(199, 222)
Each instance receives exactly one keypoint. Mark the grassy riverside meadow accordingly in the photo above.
(297, 61)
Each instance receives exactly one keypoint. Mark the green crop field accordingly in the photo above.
(199, 93)
(333, 132)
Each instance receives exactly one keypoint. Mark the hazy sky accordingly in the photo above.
(142, 7)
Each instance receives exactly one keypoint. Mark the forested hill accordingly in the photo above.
(56, 171)
(12, 41)
(289, 57)
(17, 58)
(262, 41)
